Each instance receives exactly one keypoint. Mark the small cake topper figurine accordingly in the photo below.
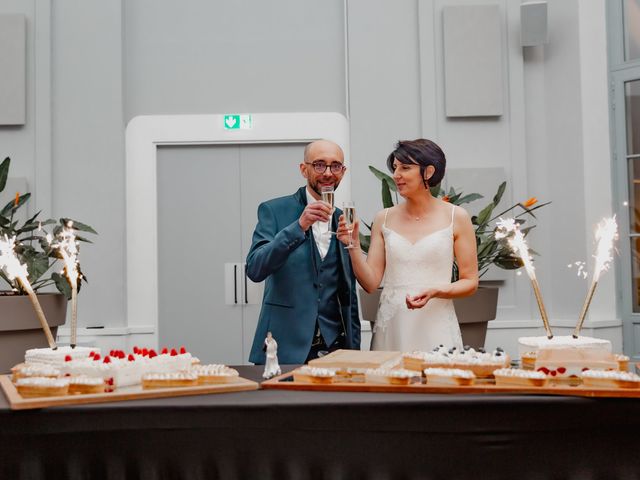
(271, 366)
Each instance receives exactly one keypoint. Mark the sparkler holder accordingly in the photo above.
(74, 315)
(543, 311)
(585, 307)
(39, 313)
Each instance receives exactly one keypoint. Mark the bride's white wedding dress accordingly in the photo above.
(410, 268)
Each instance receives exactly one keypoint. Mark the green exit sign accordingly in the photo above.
(236, 121)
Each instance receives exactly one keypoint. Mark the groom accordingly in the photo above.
(309, 302)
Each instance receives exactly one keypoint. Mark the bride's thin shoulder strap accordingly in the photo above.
(386, 212)
(453, 211)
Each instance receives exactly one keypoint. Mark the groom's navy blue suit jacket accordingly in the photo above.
(282, 254)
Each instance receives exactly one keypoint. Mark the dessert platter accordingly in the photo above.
(569, 368)
(549, 365)
(80, 375)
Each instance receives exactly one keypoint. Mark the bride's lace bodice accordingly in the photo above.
(411, 267)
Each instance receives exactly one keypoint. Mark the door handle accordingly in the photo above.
(235, 283)
(246, 295)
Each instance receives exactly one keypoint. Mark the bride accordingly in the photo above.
(413, 246)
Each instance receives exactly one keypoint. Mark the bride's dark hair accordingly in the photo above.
(421, 152)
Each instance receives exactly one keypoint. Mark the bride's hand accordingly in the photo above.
(343, 233)
(421, 299)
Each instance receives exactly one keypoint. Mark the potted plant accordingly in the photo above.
(475, 311)
(39, 251)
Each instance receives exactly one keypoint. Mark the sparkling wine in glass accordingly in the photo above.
(327, 192)
(327, 195)
(349, 210)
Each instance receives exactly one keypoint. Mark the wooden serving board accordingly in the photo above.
(285, 382)
(356, 359)
(127, 393)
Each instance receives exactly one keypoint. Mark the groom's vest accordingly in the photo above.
(329, 316)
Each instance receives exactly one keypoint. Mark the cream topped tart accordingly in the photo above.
(390, 376)
(519, 377)
(214, 373)
(309, 374)
(169, 380)
(610, 379)
(42, 387)
(449, 376)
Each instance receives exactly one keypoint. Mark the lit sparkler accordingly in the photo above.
(15, 270)
(508, 228)
(606, 234)
(68, 248)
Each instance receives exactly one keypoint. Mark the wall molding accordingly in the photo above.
(42, 118)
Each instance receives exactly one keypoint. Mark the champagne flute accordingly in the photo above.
(327, 192)
(349, 209)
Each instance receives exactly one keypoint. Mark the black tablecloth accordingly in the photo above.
(275, 434)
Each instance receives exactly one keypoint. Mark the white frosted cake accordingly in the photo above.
(58, 356)
(533, 344)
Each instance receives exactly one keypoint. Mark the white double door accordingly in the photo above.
(208, 197)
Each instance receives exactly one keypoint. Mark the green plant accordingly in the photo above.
(35, 247)
(491, 251)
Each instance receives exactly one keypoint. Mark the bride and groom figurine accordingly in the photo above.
(271, 366)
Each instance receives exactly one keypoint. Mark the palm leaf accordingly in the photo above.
(384, 177)
(4, 172)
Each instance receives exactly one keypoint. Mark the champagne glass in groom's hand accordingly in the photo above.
(328, 194)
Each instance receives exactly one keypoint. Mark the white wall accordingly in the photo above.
(111, 61)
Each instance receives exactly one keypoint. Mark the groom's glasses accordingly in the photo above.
(321, 167)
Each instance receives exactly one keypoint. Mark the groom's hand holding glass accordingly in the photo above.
(314, 212)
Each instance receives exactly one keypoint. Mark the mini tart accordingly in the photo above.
(449, 376)
(391, 377)
(413, 361)
(42, 387)
(528, 360)
(356, 375)
(480, 370)
(623, 362)
(520, 378)
(214, 374)
(308, 374)
(83, 384)
(25, 370)
(610, 379)
(169, 380)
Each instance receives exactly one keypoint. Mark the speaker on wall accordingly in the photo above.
(13, 61)
(533, 23)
